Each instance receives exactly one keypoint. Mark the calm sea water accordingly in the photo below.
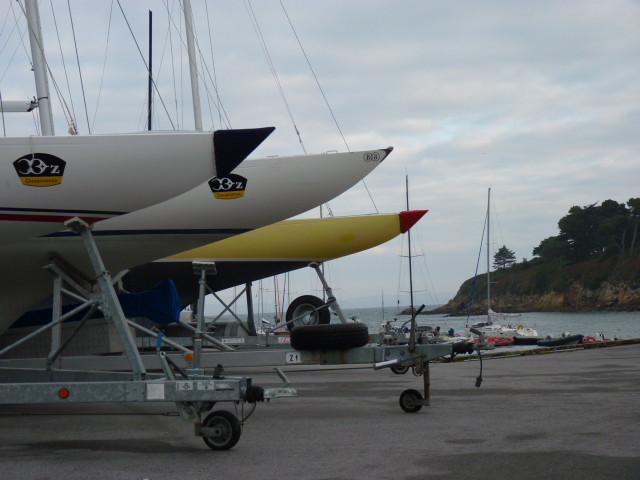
(611, 324)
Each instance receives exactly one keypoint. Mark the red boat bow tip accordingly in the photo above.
(409, 218)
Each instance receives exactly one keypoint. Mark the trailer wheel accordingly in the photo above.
(411, 401)
(400, 370)
(335, 336)
(306, 307)
(224, 430)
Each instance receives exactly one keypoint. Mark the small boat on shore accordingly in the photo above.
(565, 339)
(498, 341)
(533, 340)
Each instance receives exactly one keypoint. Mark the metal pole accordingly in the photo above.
(409, 242)
(150, 83)
(39, 67)
(488, 247)
(251, 321)
(426, 376)
(197, 337)
(331, 299)
(108, 298)
(193, 71)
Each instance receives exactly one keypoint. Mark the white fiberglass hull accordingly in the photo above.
(44, 181)
(263, 191)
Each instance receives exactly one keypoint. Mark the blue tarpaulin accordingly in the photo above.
(160, 304)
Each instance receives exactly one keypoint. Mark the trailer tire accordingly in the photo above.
(334, 336)
(306, 307)
(411, 401)
(227, 430)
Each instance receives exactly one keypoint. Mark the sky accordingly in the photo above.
(539, 101)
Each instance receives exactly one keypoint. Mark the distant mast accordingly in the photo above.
(409, 242)
(488, 247)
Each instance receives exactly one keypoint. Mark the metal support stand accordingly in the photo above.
(108, 299)
(331, 299)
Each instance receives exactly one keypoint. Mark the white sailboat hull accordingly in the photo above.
(275, 189)
(48, 180)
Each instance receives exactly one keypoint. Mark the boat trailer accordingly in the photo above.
(192, 390)
(183, 378)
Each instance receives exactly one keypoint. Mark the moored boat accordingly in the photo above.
(565, 339)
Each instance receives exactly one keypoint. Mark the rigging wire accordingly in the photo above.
(221, 110)
(64, 68)
(265, 51)
(213, 64)
(135, 40)
(4, 128)
(104, 67)
(21, 41)
(326, 101)
(173, 66)
(475, 275)
(65, 108)
(314, 76)
(75, 46)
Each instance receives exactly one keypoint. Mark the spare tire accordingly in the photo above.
(305, 310)
(334, 336)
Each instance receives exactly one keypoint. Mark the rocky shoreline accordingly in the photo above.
(620, 297)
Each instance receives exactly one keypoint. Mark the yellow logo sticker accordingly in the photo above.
(40, 169)
(229, 187)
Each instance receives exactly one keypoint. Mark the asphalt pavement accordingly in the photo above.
(566, 415)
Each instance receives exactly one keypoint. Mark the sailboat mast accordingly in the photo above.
(409, 242)
(488, 249)
(193, 71)
(39, 67)
(150, 80)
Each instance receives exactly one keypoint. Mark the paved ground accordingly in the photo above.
(572, 415)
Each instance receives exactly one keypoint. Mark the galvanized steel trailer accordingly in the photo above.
(184, 379)
(193, 391)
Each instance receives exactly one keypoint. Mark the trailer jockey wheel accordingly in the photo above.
(411, 401)
(400, 370)
(222, 430)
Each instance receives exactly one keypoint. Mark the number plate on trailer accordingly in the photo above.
(292, 357)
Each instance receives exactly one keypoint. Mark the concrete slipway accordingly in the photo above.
(569, 415)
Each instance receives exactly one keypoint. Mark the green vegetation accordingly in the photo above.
(504, 258)
(592, 264)
(592, 231)
(595, 244)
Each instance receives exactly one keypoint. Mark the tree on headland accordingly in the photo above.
(593, 230)
(504, 258)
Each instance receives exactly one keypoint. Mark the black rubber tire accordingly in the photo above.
(229, 427)
(411, 401)
(307, 305)
(400, 370)
(335, 336)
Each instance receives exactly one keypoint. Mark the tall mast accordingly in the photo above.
(39, 67)
(193, 71)
(150, 80)
(409, 242)
(488, 248)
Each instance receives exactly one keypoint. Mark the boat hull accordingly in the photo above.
(49, 180)
(560, 341)
(271, 250)
(274, 189)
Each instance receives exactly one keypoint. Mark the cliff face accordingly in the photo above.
(609, 284)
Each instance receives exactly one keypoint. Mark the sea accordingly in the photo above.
(613, 325)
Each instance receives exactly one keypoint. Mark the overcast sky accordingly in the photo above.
(538, 100)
